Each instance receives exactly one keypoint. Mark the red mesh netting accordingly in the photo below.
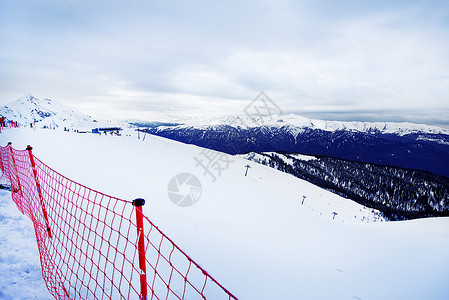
(94, 246)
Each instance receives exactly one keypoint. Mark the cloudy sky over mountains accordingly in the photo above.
(338, 60)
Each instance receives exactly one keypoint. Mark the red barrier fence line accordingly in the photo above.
(38, 186)
(97, 249)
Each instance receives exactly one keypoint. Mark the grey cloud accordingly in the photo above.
(206, 56)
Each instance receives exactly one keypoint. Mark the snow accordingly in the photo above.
(439, 141)
(287, 160)
(251, 233)
(21, 273)
(303, 157)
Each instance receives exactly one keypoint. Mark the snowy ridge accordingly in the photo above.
(400, 194)
(347, 210)
(298, 124)
(46, 112)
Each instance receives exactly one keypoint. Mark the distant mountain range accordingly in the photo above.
(407, 145)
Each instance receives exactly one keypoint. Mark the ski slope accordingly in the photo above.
(252, 233)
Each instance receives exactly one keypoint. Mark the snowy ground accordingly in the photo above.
(20, 275)
(251, 233)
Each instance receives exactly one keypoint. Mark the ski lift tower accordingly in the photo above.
(247, 167)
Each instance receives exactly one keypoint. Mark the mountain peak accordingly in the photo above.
(28, 97)
(45, 112)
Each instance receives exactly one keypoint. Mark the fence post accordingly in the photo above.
(38, 186)
(138, 203)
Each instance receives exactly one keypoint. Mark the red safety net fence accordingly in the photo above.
(94, 246)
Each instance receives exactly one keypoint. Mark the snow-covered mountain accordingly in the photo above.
(414, 146)
(407, 145)
(297, 124)
(46, 112)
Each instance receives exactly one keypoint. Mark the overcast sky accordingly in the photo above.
(337, 60)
